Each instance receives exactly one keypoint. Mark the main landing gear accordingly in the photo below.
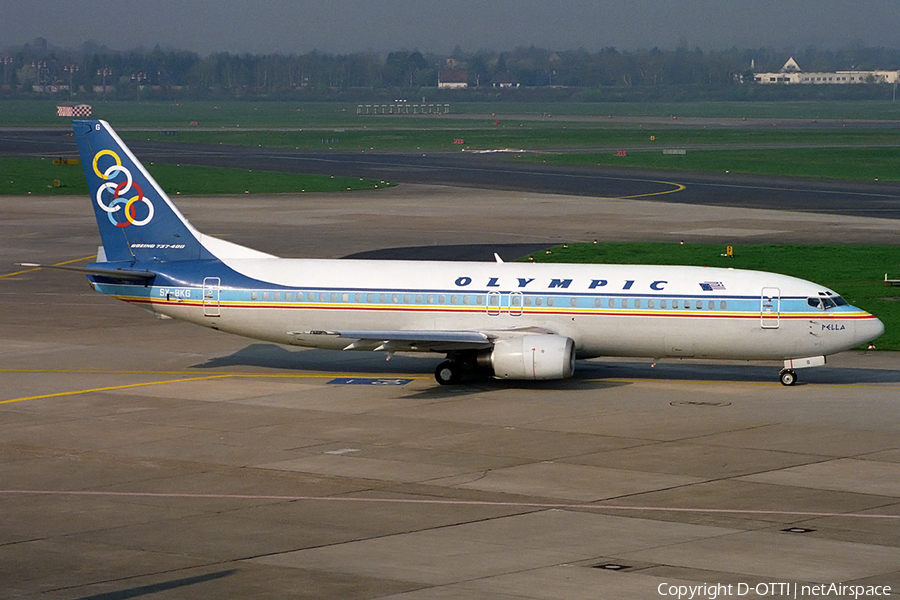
(448, 372)
(460, 367)
(788, 377)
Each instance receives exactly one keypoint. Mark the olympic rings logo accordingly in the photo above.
(118, 191)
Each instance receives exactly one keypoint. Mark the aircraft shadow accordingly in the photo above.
(676, 370)
(367, 363)
(273, 356)
(595, 374)
(155, 588)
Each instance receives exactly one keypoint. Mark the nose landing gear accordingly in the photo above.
(788, 377)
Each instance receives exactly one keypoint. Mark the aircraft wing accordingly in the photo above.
(406, 340)
(422, 340)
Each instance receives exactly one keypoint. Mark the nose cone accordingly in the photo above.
(868, 329)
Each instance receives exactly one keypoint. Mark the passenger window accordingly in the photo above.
(662, 304)
(276, 296)
(430, 298)
(573, 302)
(637, 303)
(711, 305)
(253, 295)
(479, 300)
(345, 297)
(454, 299)
(418, 298)
(651, 303)
(370, 298)
(624, 303)
(611, 303)
(549, 301)
(699, 304)
(382, 298)
(538, 301)
(442, 299)
(723, 305)
(597, 302)
(674, 303)
(288, 296)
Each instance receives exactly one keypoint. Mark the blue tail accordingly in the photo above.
(137, 220)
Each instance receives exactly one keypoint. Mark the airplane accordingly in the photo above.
(526, 321)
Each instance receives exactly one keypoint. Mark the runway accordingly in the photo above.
(154, 458)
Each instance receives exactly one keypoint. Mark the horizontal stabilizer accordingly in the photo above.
(143, 275)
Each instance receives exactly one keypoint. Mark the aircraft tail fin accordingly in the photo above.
(137, 220)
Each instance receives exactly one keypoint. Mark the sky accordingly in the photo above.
(438, 26)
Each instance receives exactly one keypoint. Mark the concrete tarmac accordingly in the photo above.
(147, 458)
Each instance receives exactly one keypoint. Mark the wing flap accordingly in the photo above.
(401, 341)
(424, 340)
(408, 340)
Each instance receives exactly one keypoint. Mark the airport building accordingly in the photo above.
(453, 79)
(791, 74)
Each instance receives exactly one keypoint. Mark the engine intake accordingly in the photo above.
(533, 357)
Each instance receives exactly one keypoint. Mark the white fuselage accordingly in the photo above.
(611, 310)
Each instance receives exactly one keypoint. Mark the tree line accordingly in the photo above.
(94, 70)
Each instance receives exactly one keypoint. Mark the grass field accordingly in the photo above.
(855, 272)
(23, 176)
(853, 163)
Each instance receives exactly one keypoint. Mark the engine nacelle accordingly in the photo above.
(533, 357)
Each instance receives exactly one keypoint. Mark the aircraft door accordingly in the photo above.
(770, 308)
(211, 287)
(493, 303)
(515, 304)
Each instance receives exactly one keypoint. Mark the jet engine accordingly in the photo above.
(532, 357)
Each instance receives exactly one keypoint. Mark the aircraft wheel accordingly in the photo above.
(448, 372)
(788, 377)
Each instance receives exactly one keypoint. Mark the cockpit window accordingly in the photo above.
(826, 302)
